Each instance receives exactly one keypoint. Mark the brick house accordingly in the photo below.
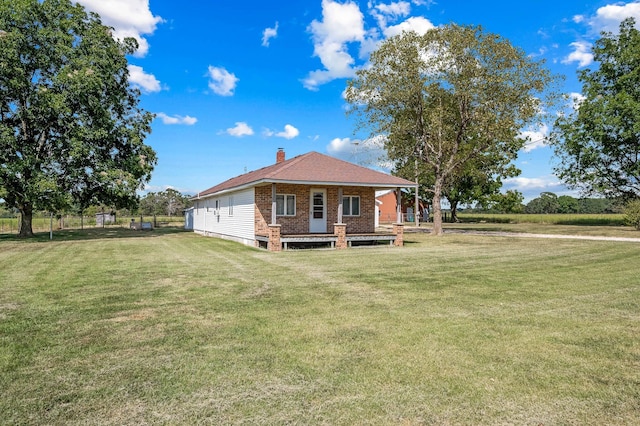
(387, 207)
(310, 199)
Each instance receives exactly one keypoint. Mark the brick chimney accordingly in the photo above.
(280, 156)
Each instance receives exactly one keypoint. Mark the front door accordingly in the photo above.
(318, 213)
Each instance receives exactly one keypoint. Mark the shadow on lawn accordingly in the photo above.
(94, 234)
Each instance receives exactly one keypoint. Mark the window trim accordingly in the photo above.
(349, 199)
(285, 197)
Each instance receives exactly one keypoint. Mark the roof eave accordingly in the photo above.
(303, 182)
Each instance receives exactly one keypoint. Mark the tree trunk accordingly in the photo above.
(454, 212)
(437, 208)
(26, 217)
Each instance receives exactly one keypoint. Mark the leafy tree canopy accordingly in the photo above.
(452, 98)
(548, 202)
(71, 130)
(507, 202)
(598, 144)
(168, 202)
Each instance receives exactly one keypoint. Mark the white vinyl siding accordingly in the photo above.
(231, 216)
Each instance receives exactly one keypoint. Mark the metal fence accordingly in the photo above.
(11, 225)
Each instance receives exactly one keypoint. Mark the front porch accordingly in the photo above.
(338, 240)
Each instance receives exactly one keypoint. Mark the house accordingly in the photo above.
(387, 205)
(310, 199)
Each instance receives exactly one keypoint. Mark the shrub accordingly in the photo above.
(632, 214)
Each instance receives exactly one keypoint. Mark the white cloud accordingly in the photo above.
(576, 99)
(416, 23)
(530, 184)
(401, 8)
(342, 23)
(341, 146)
(148, 83)
(129, 18)
(532, 187)
(268, 34)
(369, 152)
(581, 54)
(608, 17)
(241, 129)
(176, 119)
(390, 12)
(221, 81)
(536, 137)
(289, 132)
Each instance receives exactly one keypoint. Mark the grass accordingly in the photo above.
(608, 225)
(167, 327)
(583, 219)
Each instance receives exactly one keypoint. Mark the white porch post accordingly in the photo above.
(398, 206)
(340, 205)
(273, 204)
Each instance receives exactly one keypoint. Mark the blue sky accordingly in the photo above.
(231, 82)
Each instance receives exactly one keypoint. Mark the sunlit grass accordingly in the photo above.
(169, 327)
(547, 219)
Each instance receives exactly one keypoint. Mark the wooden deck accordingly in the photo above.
(329, 240)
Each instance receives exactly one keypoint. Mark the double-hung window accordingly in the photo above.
(285, 205)
(351, 205)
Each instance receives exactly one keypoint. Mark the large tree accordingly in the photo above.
(71, 129)
(598, 143)
(451, 97)
(477, 180)
(168, 202)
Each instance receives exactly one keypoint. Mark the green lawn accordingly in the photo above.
(167, 327)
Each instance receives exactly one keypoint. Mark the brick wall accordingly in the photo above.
(363, 224)
(262, 211)
(299, 224)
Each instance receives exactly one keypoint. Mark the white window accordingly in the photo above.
(285, 205)
(351, 205)
(231, 205)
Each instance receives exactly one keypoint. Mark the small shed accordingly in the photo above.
(105, 219)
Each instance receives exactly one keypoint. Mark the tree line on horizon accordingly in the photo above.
(550, 203)
(169, 202)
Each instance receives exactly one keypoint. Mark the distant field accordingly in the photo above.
(553, 219)
(112, 326)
